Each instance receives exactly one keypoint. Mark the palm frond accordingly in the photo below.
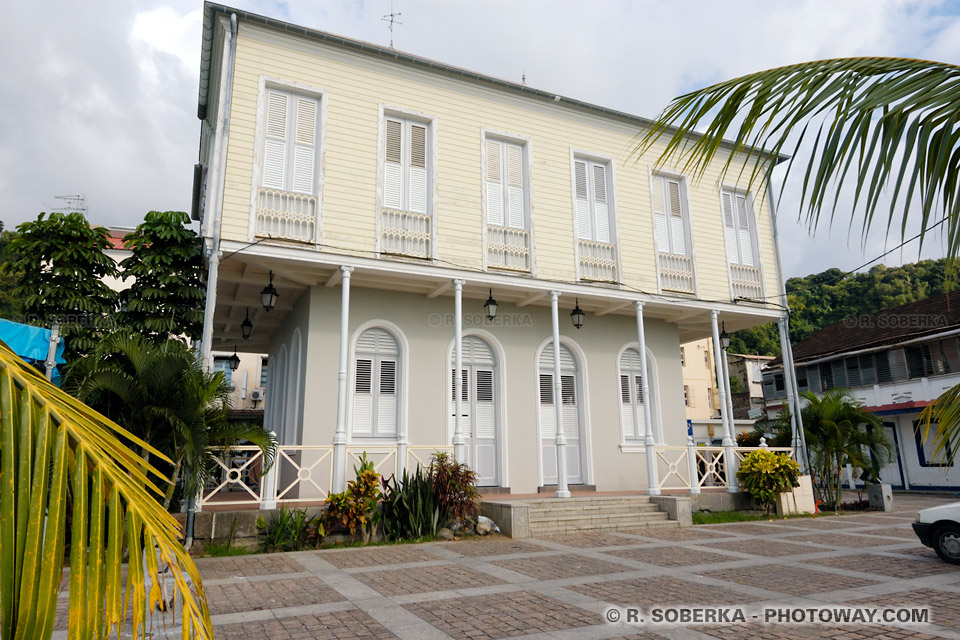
(942, 416)
(50, 441)
(885, 123)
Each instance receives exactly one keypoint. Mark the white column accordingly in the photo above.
(693, 465)
(649, 441)
(791, 399)
(268, 495)
(459, 444)
(561, 439)
(340, 436)
(732, 463)
(725, 418)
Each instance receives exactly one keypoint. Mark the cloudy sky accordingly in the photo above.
(99, 97)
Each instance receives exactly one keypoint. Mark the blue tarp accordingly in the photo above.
(30, 343)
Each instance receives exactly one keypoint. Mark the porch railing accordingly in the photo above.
(285, 215)
(745, 281)
(707, 466)
(676, 272)
(598, 261)
(299, 473)
(508, 248)
(406, 233)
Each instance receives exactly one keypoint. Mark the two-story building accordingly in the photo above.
(895, 362)
(388, 197)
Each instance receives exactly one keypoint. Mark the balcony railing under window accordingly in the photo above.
(406, 233)
(745, 282)
(598, 261)
(676, 272)
(508, 248)
(287, 216)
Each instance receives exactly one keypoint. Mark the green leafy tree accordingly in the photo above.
(59, 263)
(11, 307)
(875, 127)
(166, 262)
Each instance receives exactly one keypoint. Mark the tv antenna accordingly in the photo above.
(73, 203)
(392, 19)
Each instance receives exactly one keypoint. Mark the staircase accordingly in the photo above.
(537, 517)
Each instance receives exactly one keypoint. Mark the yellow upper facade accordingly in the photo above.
(338, 150)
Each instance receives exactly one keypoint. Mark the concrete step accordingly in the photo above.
(589, 500)
(600, 520)
(565, 529)
(592, 509)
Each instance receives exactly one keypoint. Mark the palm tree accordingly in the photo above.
(163, 395)
(53, 446)
(874, 126)
(840, 431)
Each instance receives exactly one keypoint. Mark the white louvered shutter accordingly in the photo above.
(743, 231)
(393, 165)
(485, 414)
(514, 180)
(387, 399)
(418, 169)
(601, 213)
(275, 141)
(641, 416)
(660, 232)
(626, 407)
(581, 200)
(548, 417)
(494, 183)
(305, 146)
(568, 391)
(729, 228)
(363, 397)
(677, 239)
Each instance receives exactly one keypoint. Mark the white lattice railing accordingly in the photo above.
(508, 248)
(745, 282)
(300, 473)
(285, 215)
(676, 272)
(406, 233)
(598, 261)
(709, 468)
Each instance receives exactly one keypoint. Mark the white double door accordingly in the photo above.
(570, 400)
(478, 409)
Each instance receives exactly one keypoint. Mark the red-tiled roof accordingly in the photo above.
(892, 326)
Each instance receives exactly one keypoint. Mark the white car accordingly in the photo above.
(939, 528)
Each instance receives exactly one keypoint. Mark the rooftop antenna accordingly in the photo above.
(73, 203)
(392, 19)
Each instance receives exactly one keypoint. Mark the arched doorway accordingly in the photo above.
(571, 399)
(479, 408)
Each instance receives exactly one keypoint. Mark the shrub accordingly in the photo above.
(291, 530)
(764, 474)
(749, 439)
(410, 507)
(356, 508)
(455, 486)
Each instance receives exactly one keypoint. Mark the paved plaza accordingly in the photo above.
(562, 587)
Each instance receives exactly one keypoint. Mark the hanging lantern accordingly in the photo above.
(490, 306)
(246, 327)
(269, 295)
(577, 315)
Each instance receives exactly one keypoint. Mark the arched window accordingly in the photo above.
(632, 419)
(376, 384)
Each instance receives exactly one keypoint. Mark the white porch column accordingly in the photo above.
(561, 439)
(653, 480)
(340, 436)
(786, 350)
(791, 399)
(459, 444)
(268, 495)
(719, 357)
(732, 463)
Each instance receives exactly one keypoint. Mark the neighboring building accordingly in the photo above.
(748, 368)
(895, 362)
(381, 191)
(699, 380)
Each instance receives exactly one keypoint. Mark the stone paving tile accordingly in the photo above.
(670, 556)
(841, 540)
(502, 615)
(766, 548)
(919, 550)
(879, 519)
(591, 540)
(660, 591)
(895, 532)
(790, 580)
(560, 566)
(823, 522)
(447, 577)
(247, 566)
(944, 605)
(679, 534)
(755, 631)
(375, 556)
(887, 566)
(340, 625)
(748, 529)
(268, 594)
(504, 546)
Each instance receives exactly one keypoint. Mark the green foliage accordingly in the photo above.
(943, 416)
(356, 508)
(59, 264)
(821, 299)
(749, 438)
(764, 474)
(455, 486)
(291, 530)
(410, 508)
(167, 295)
(736, 384)
(11, 307)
